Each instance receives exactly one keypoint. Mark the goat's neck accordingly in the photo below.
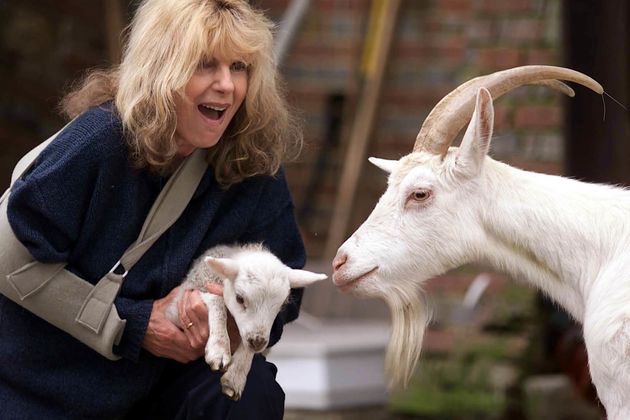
(554, 232)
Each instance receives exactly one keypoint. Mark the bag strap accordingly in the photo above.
(168, 206)
(166, 209)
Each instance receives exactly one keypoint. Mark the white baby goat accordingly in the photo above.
(256, 284)
(445, 207)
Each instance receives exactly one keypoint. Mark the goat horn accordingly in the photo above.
(453, 112)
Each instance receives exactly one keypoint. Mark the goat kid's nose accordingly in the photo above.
(257, 343)
(340, 260)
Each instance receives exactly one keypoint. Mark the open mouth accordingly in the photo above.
(353, 283)
(212, 112)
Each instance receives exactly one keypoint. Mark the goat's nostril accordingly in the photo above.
(340, 259)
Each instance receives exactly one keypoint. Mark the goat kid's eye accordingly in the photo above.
(420, 195)
(240, 300)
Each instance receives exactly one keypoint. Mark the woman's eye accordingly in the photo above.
(206, 64)
(238, 66)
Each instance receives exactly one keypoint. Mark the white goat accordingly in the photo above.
(256, 284)
(445, 207)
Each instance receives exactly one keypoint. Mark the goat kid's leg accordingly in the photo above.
(233, 380)
(218, 345)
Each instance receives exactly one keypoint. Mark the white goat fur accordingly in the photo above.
(256, 285)
(569, 239)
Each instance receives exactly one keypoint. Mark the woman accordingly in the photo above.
(195, 74)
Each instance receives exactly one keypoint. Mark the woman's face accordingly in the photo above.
(211, 98)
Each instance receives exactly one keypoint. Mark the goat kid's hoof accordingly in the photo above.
(218, 361)
(231, 390)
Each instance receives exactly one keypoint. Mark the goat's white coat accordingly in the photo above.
(569, 239)
(253, 274)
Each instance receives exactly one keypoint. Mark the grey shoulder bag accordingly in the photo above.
(79, 308)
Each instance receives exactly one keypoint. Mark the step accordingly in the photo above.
(332, 363)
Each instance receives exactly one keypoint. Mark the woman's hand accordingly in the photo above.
(165, 339)
(193, 316)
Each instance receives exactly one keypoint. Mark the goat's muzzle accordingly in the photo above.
(347, 282)
(340, 260)
(340, 274)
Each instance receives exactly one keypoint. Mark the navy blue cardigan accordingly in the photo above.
(84, 203)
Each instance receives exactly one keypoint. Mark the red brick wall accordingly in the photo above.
(437, 45)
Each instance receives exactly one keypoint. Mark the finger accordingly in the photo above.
(187, 323)
(195, 319)
(196, 329)
(179, 349)
(198, 313)
(164, 339)
(181, 310)
(214, 288)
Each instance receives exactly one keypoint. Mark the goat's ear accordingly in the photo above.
(224, 267)
(384, 164)
(476, 141)
(303, 278)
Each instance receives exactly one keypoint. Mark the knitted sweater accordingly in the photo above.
(84, 203)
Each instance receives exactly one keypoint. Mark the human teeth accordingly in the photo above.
(214, 108)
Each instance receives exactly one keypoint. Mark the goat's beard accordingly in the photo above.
(410, 316)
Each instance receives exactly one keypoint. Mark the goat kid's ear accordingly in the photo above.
(224, 267)
(386, 165)
(476, 141)
(303, 278)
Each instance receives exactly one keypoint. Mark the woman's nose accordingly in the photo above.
(223, 79)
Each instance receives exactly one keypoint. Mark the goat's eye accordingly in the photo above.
(420, 195)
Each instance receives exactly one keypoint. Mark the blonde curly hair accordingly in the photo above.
(166, 41)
